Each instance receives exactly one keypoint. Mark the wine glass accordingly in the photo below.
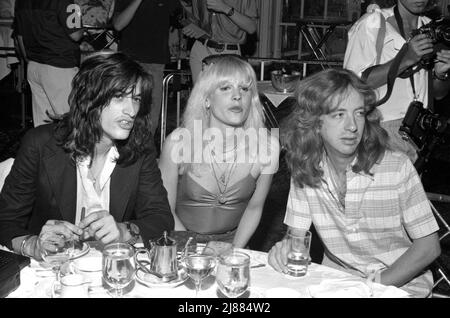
(233, 274)
(55, 249)
(199, 264)
(117, 266)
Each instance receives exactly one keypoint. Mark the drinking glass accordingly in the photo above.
(233, 274)
(55, 249)
(199, 264)
(298, 244)
(117, 266)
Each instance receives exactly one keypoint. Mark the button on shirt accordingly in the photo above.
(371, 231)
(87, 196)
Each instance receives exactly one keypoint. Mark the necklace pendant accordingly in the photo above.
(221, 199)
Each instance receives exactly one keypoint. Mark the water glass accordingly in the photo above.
(55, 249)
(233, 274)
(199, 265)
(117, 266)
(298, 245)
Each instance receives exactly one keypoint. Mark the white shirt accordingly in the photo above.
(361, 54)
(87, 197)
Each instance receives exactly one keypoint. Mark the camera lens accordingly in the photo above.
(445, 34)
(430, 122)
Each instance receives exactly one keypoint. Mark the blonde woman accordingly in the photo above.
(217, 167)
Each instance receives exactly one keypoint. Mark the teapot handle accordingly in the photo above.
(142, 264)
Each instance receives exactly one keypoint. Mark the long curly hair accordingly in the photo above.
(316, 95)
(101, 77)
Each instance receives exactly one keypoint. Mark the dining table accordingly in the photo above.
(320, 281)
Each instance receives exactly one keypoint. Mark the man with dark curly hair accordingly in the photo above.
(93, 173)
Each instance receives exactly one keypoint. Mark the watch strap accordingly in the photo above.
(133, 229)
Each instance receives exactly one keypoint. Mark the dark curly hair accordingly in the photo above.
(300, 137)
(101, 77)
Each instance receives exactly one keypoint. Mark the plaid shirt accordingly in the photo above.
(371, 231)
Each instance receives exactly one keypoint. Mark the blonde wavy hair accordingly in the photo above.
(221, 68)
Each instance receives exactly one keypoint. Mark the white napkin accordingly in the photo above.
(339, 288)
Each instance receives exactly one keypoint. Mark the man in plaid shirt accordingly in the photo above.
(366, 202)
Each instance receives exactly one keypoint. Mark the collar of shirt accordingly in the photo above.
(110, 163)
(349, 171)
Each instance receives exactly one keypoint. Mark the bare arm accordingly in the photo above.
(77, 35)
(421, 254)
(418, 46)
(169, 175)
(252, 215)
(121, 20)
(241, 20)
(21, 48)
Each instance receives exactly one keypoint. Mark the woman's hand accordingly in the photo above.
(101, 226)
(278, 256)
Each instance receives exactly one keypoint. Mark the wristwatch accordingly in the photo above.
(230, 12)
(134, 231)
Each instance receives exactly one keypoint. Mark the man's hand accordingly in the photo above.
(193, 31)
(218, 6)
(101, 226)
(64, 228)
(278, 256)
(442, 65)
(418, 46)
(52, 234)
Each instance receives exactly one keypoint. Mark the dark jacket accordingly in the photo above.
(42, 185)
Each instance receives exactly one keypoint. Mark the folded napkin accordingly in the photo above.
(333, 288)
(340, 289)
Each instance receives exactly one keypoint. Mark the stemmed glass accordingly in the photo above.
(117, 266)
(199, 265)
(233, 274)
(55, 249)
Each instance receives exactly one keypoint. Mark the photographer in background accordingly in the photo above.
(375, 40)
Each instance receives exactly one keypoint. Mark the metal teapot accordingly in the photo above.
(162, 258)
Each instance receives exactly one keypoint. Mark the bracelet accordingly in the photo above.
(22, 245)
(440, 77)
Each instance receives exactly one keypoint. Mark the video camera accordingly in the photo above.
(425, 129)
(439, 32)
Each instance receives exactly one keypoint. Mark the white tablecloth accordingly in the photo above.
(265, 282)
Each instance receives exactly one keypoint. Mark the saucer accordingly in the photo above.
(150, 280)
(80, 252)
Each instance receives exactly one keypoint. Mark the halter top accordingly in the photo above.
(201, 211)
